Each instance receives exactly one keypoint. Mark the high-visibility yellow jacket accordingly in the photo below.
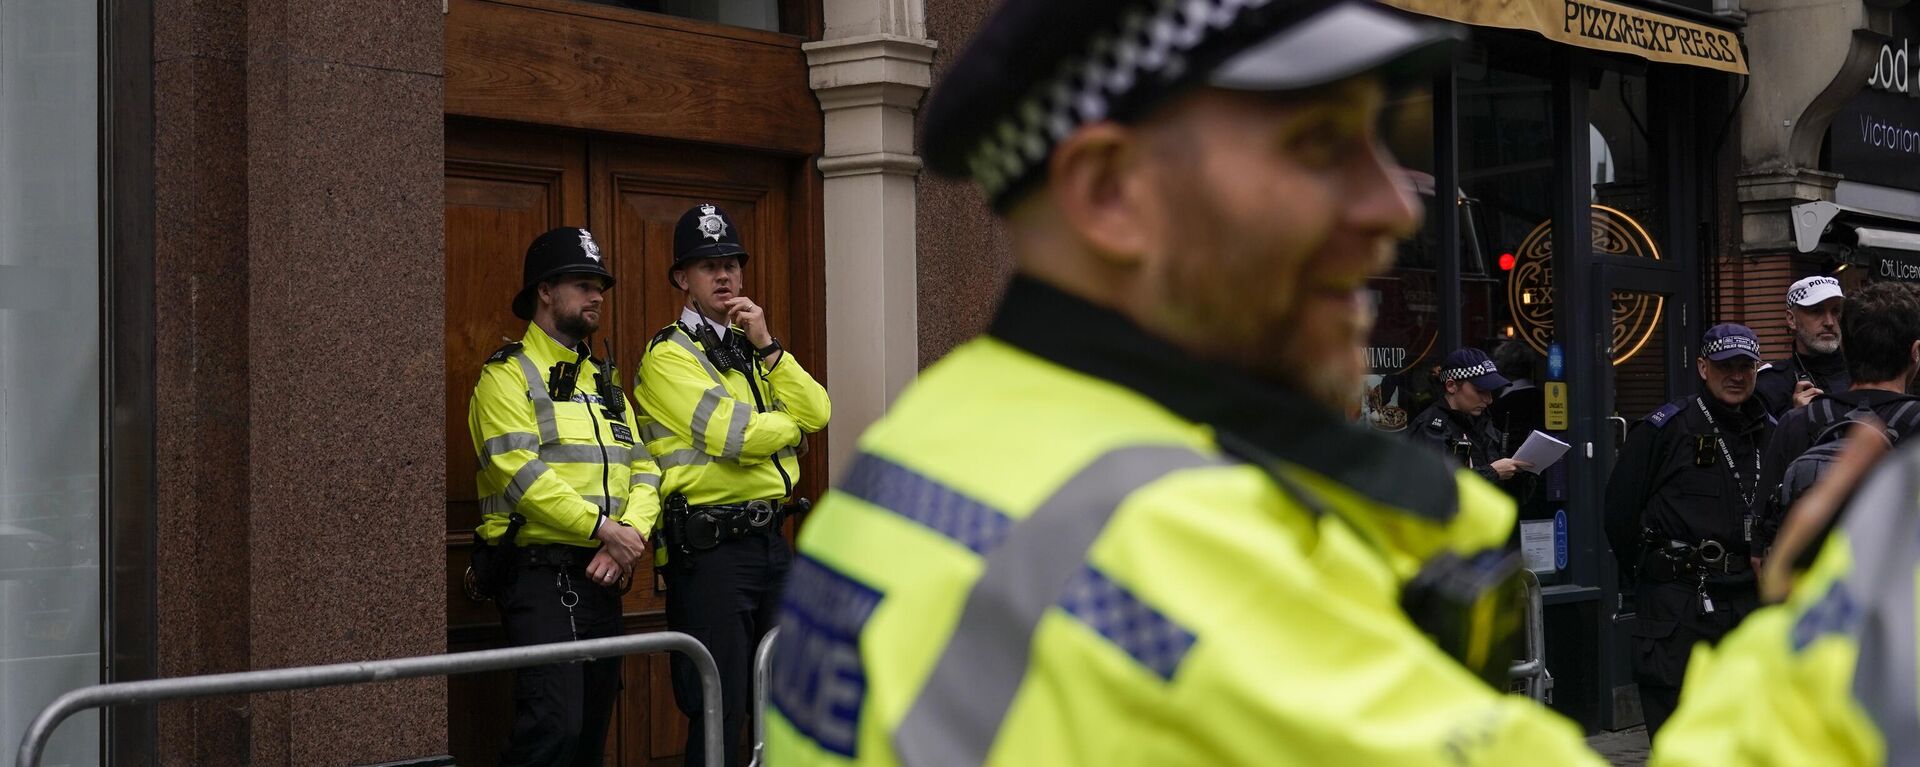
(1830, 676)
(714, 441)
(1044, 556)
(560, 463)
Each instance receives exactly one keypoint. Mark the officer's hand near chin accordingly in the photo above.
(752, 320)
(623, 544)
(1804, 392)
(1507, 467)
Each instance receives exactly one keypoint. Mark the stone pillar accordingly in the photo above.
(870, 73)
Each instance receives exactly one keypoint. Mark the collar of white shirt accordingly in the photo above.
(691, 318)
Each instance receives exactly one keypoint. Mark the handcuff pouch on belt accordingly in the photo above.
(490, 565)
(1669, 560)
(1471, 607)
(693, 529)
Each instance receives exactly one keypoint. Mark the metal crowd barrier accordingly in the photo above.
(1531, 671)
(303, 677)
(762, 670)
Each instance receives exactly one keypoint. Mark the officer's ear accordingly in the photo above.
(1097, 180)
(1700, 365)
(679, 278)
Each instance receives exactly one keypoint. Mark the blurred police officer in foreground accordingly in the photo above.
(566, 494)
(1816, 364)
(1130, 525)
(1677, 514)
(730, 408)
(1457, 425)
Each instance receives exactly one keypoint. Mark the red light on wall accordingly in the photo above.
(1506, 262)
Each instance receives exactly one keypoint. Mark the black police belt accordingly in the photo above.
(1675, 559)
(693, 529)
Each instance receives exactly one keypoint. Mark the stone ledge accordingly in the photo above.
(869, 59)
(870, 163)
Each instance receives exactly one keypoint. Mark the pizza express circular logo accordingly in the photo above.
(1530, 286)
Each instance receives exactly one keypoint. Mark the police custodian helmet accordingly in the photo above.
(566, 250)
(706, 231)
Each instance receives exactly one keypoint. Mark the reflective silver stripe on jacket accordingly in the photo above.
(682, 458)
(612, 454)
(644, 478)
(703, 413)
(607, 506)
(507, 443)
(737, 431)
(956, 717)
(542, 403)
(653, 432)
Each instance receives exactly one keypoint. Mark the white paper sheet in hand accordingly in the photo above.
(1541, 450)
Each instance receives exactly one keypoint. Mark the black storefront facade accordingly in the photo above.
(1580, 144)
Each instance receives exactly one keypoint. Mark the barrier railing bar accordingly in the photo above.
(304, 677)
(762, 660)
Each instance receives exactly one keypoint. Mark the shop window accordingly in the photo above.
(753, 14)
(50, 372)
(1403, 346)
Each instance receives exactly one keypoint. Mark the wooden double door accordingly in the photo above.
(505, 186)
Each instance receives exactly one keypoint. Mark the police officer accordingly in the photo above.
(1827, 676)
(1882, 327)
(1457, 425)
(566, 492)
(1676, 515)
(1130, 524)
(731, 409)
(1817, 363)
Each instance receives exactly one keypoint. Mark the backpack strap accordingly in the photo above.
(1904, 420)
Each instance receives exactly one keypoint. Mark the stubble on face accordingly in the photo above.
(1259, 276)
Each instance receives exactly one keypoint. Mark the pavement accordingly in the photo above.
(1622, 748)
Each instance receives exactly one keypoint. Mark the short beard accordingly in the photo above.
(576, 326)
(1813, 343)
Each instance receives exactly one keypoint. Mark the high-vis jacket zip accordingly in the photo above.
(563, 463)
(716, 443)
(1045, 555)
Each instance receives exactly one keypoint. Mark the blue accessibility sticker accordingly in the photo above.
(1556, 362)
(818, 682)
(1560, 540)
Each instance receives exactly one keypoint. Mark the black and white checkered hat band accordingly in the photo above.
(1462, 374)
(1731, 343)
(1152, 41)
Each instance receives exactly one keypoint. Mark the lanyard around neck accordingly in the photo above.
(1745, 494)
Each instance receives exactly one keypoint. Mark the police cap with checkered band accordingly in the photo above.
(1040, 69)
(562, 251)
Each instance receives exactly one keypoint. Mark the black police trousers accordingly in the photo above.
(560, 712)
(1670, 623)
(726, 597)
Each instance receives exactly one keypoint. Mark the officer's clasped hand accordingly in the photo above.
(621, 543)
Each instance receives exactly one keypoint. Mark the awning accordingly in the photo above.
(1599, 25)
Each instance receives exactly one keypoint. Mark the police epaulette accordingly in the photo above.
(504, 353)
(664, 334)
(1666, 413)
